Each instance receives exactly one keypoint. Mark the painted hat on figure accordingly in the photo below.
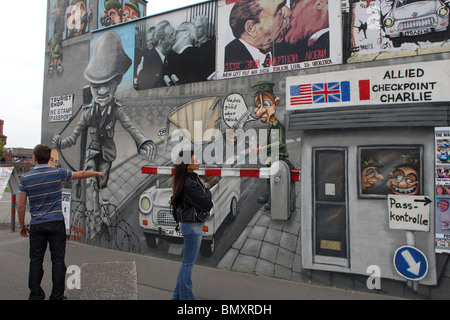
(262, 86)
(108, 60)
(134, 5)
(112, 4)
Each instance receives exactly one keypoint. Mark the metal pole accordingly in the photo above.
(13, 212)
(411, 241)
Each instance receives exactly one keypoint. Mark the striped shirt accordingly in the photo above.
(43, 185)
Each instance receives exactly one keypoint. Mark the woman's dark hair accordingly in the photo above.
(178, 179)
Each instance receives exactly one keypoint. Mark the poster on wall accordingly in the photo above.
(422, 82)
(262, 36)
(397, 25)
(61, 108)
(5, 174)
(177, 47)
(442, 189)
(65, 204)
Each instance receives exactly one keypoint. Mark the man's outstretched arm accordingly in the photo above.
(87, 174)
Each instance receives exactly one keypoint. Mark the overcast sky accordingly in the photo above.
(22, 65)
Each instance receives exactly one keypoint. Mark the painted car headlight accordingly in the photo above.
(388, 22)
(443, 11)
(146, 203)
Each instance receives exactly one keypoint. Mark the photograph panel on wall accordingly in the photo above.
(390, 26)
(257, 37)
(177, 47)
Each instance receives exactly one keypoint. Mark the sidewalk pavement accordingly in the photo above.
(107, 274)
(114, 275)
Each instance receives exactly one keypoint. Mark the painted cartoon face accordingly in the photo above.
(265, 106)
(103, 93)
(129, 14)
(442, 205)
(404, 180)
(369, 176)
(114, 14)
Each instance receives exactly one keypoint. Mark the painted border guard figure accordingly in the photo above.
(266, 104)
(104, 72)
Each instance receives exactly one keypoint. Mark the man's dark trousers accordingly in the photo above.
(53, 233)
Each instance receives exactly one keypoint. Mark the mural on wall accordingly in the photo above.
(176, 48)
(231, 123)
(397, 25)
(112, 12)
(100, 218)
(275, 35)
(68, 19)
(105, 70)
(213, 126)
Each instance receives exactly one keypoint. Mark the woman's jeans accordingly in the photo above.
(192, 233)
(53, 233)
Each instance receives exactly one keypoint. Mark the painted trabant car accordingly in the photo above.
(409, 18)
(157, 222)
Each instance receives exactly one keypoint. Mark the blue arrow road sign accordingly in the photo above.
(410, 263)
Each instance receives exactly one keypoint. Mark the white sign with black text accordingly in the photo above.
(409, 212)
(61, 108)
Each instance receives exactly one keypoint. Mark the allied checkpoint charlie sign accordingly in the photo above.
(410, 83)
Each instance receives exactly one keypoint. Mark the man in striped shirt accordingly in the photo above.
(42, 187)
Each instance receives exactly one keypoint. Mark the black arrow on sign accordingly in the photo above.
(426, 200)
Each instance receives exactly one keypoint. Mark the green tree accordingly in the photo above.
(2, 149)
